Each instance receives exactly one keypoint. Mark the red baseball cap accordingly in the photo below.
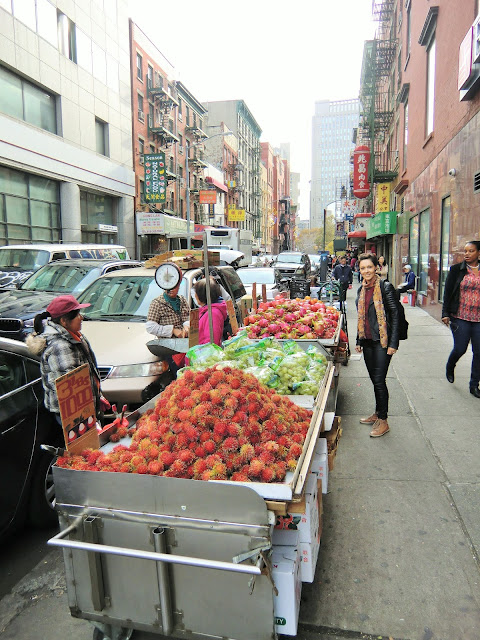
(64, 304)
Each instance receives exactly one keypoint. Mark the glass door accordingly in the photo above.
(444, 246)
(423, 248)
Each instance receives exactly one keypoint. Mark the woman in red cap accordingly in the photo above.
(63, 348)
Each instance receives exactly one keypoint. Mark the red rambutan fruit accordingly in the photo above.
(209, 446)
(255, 468)
(186, 456)
(199, 379)
(142, 468)
(155, 467)
(267, 475)
(199, 451)
(199, 466)
(238, 476)
(230, 444)
(220, 428)
(167, 458)
(115, 437)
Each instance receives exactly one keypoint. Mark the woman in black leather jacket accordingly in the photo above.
(377, 336)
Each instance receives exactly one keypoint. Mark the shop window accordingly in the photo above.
(444, 246)
(423, 251)
(96, 210)
(23, 100)
(413, 244)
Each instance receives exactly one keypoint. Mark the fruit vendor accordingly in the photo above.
(168, 317)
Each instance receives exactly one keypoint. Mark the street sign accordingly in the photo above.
(155, 180)
(208, 196)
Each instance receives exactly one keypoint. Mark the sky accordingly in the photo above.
(278, 56)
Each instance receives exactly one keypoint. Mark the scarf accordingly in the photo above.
(379, 309)
(173, 302)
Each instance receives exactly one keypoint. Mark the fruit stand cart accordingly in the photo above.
(176, 557)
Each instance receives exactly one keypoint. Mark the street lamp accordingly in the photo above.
(187, 152)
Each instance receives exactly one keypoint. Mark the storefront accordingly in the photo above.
(380, 231)
(159, 232)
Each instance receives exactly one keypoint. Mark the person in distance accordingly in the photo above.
(461, 311)
(377, 336)
(219, 311)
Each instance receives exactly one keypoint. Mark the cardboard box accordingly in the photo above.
(306, 524)
(286, 574)
(321, 446)
(184, 258)
(320, 469)
(309, 557)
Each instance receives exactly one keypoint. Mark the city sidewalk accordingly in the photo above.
(401, 535)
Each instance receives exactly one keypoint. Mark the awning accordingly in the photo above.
(216, 183)
(358, 234)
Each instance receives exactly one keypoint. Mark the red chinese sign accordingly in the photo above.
(361, 158)
(77, 409)
(208, 197)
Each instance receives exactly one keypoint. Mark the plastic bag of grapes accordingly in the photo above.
(264, 375)
(315, 353)
(205, 355)
(290, 346)
(305, 388)
(240, 340)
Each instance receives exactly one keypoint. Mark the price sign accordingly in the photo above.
(232, 317)
(77, 410)
(193, 331)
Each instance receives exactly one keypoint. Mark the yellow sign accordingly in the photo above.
(382, 201)
(236, 215)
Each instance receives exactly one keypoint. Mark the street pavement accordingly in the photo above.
(400, 549)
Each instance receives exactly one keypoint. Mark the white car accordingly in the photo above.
(260, 275)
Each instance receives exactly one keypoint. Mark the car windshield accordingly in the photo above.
(23, 259)
(295, 258)
(314, 259)
(260, 276)
(64, 278)
(122, 296)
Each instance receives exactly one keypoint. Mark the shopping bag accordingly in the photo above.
(405, 299)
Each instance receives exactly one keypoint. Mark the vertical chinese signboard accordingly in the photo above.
(155, 179)
(361, 158)
(382, 201)
(77, 410)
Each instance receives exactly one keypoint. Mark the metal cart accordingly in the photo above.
(174, 557)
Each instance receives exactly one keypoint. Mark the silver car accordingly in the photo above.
(259, 275)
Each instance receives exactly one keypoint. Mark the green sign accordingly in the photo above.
(155, 179)
(382, 223)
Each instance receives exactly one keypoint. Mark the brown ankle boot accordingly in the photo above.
(370, 420)
(380, 428)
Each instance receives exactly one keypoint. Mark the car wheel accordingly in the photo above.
(41, 511)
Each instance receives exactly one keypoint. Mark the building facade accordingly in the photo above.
(65, 116)
(425, 140)
(239, 119)
(332, 127)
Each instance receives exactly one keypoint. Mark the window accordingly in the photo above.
(187, 115)
(430, 102)
(409, 32)
(95, 210)
(29, 208)
(101, 137)
(66, 36)
(23, 100)
(139, 67)
(149, 76)
(413, 244)
(141, 115)
(151, 115)
(180, 106)
(423, 247)
(405, 135)
(444, 246)
(141, 146)
(152, 148)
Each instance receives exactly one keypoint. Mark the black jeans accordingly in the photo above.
(377, 362)
(464, 332)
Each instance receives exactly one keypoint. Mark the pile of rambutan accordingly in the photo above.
(215, 424)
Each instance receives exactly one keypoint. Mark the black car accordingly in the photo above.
(27, 493)
(18, 307)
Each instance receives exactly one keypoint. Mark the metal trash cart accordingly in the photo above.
(174, 557)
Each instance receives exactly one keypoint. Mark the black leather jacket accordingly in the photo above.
(451, 293)
(391, 313)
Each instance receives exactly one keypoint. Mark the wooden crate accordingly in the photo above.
(184, 258)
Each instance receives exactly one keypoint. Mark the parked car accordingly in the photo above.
(260, 275)
(292, 264)
(27, 493)
(115, 327)
(314, 264)
(228, 256)
(18, 307)
(19, 261)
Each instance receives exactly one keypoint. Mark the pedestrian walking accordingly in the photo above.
(344, 274)
(169, 317)
(58, 339)
(219, 311)
(382, 268)
(377, 336)
(461, 311)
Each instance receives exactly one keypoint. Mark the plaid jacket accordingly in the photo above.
(162, 313)
(61, 353)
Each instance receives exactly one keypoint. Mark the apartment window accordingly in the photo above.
(171, 165)
(139, 67)
(180, 107)
(66, 36)
(23, 100)
(101, 137)
(141, 146)
(29, 208)
(149, 76)
(152, 148)
(151, 115)
(141, 189)
(430, 102)
(405, 135)
(444, 246)
(159, 80)
(409, 31)
(187, 115)
(141, 115)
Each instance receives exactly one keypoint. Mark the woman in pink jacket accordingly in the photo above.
(219, 311)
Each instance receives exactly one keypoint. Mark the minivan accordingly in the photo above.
(19, 261)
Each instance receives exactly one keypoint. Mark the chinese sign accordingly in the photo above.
(382, 201)
(383, 223)
(155, 180)
(349, 209)
(361, 158)
(208, 197)
(159, 223)
(236, 215)
(77, 410)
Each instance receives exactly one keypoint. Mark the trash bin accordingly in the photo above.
(412, 298)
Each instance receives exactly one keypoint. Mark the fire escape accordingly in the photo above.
(159, 126)
(376, 96)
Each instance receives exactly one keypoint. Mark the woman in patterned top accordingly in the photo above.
(461, 310)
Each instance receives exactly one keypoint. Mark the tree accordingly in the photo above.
(311, 240)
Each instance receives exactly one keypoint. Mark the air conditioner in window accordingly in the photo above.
(141, 115)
